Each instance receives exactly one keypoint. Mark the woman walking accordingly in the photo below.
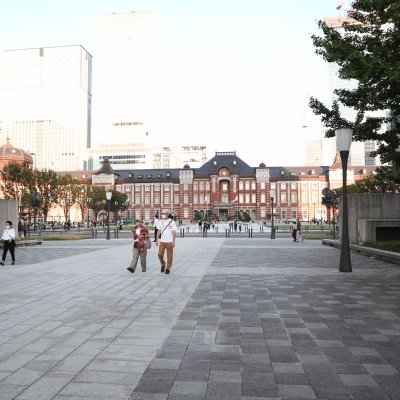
(141, 242)
(9, 243)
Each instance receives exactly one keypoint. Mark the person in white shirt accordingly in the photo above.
(166, 236)
(9, 243)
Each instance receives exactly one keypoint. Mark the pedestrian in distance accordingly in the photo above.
(298, 230)
(141, 243)
(8, 243)
(155, 224)
(166, 236)
(294, 232)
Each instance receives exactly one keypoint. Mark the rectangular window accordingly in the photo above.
(247, 198)
(186, 198)
(176, 187)
(166, 188)
(305, 215)
(293, 198)
(195, 186)
(262, 197)
(176, 199)
(283, 214)
(241, 198)
(147, 199)
(157, 199)
(201, 186)
(241, 187)
(207, 185)
(294, 214)
(263, 212)
(137, 199)
(273, 186)
(185, 213)
(166, 199)
(262, 185)
(253, 185)
(247, 185)
(315, 198)
(157, 188)
(283, 197)
(185, 186)
(283, 186)
(195, 198)
(147, 188)
(253, 198)
(304, 198)
(293, 185)
(224, 186)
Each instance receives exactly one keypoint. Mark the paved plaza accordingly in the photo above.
(237, 318)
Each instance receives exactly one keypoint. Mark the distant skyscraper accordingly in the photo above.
(359, 151)
(127, 69)
(143, 156)
(314, 152)
(47, 104)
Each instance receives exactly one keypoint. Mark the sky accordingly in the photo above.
(240, 72)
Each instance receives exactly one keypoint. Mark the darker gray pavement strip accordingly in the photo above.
(277, 321)
(251, 319)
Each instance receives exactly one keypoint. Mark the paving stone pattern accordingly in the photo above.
(281, 323)
(251, 319)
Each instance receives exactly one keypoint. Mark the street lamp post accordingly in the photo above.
(108, 197)
(343, 140)
(272, 196)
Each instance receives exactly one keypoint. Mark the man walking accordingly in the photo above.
(166, 236)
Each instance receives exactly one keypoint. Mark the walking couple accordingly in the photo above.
(165, 240)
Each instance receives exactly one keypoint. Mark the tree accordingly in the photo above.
(46, 184)
(381, 181)
(96, 199)
(246, 216)
(66, 193)
(366, 52)
(18, 184)
(119, 202)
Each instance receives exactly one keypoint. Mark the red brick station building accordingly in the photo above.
(224, 185)
(221, 187)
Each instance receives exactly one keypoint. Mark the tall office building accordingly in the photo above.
(47, 104)
(359, 151)
(128, 69)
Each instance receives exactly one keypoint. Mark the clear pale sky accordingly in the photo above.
(243, 69)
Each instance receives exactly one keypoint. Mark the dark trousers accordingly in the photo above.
(8, 246)
(155, 234)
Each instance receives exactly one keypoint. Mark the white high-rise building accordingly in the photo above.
(128, 69)
(46, 104)
(142, 156)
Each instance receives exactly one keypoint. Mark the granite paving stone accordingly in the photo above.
(250, 319)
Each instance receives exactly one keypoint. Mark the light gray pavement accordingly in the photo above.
(237, 319)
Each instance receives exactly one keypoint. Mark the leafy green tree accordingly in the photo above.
(46, 184)
(96, 199)
(119, 202)
(18, 184)
(366, 51)
(198, 216)
(246, 217)
(383, 180)
(66, 193)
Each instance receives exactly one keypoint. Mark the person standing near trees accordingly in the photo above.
(8, 243)
(155, 224)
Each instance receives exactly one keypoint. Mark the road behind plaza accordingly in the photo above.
(238, 318)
